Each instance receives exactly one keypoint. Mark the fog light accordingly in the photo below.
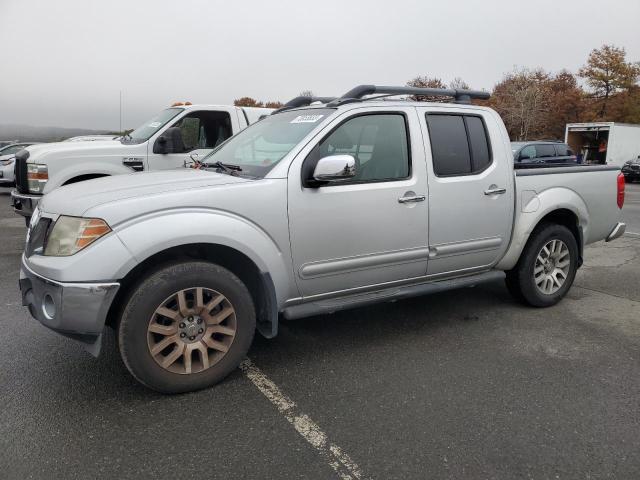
(48, 307)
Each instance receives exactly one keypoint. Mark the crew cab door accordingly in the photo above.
(470, 189)
(370, 229)
(196, 133)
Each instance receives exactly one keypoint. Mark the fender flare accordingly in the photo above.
(182, 227)
(532, 207)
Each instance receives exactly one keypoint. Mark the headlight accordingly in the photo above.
(71, 234)
(37, 176)
(7, 162)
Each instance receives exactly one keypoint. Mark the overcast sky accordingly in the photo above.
(64, 62)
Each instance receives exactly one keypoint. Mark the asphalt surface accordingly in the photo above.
(464, 384)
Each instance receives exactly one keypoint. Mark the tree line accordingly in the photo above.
(537, 104)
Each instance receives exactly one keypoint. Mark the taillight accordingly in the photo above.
(620, 190)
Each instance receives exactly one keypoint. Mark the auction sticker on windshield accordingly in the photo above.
(306, 119)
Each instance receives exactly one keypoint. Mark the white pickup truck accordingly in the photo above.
(164, 142)
(311, 210)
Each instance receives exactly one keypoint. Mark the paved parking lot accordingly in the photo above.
(464, 384)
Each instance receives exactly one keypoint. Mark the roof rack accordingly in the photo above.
(460, 95)
(303, 101)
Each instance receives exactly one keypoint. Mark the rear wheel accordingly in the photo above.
(186, 327)
(547, 267)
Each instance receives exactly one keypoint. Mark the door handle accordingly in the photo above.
(495, 191)
(412, 199)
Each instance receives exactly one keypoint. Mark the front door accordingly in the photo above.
(470, 190)
(371, 229)
(197, 133)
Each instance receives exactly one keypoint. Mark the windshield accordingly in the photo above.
(259, 147)
(11, 149)
(145, 131)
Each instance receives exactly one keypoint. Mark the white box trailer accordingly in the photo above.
(604, 142)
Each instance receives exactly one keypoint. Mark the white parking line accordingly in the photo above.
(633, 234)
(310, 431)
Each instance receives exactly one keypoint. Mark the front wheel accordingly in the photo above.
(547, 267)
(186, 327)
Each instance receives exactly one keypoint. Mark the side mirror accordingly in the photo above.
(161, 145)
(169, 142)
(334, 168)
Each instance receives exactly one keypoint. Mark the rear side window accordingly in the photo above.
(563, 151)
(459, 144)
(545, 150)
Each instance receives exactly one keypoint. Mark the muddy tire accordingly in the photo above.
(186, 327)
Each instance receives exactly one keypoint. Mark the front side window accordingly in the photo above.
(146, 130)
(459, 144)
(203, 129)
(378, 143)
(259, 147)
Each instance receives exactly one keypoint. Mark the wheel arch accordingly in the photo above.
(561, 206)
(259, 283)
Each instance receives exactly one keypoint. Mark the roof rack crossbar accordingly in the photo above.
(303, 101)
(460, 95)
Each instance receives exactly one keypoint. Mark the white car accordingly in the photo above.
(7, 163)
(169, 140)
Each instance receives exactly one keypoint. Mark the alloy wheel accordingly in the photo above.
(191, 330)
(552, 266)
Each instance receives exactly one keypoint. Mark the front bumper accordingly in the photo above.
(24, 204)
(75, 310)
(617, 231)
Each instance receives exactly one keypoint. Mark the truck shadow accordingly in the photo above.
(94, 380)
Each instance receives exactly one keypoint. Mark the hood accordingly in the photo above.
(9, 156)
(73, 149)
(77, 198)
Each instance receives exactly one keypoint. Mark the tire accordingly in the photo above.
(542, 289)
(157, 314)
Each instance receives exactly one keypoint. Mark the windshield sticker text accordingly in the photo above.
(306, 119)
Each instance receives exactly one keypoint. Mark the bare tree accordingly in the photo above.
(459, 83)
(522, 99)
(424, 81)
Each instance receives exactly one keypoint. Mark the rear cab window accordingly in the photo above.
(459, 144)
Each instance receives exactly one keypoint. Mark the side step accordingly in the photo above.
(390, 294)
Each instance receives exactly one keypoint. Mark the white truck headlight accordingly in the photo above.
(71, 234)
(7, 162)
(37, 176)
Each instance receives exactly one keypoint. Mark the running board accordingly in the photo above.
(322, 307)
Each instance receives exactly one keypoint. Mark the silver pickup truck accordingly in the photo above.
(316, 208)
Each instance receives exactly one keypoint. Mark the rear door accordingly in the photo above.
(546, 153)
(371, 229)
(470, 189)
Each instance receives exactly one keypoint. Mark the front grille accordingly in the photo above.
(21, 172)
(38, 237)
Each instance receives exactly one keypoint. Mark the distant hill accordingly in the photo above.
(31, 133)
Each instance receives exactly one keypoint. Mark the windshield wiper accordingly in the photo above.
(226, 167)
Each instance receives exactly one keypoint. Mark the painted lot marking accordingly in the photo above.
(310, 431)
